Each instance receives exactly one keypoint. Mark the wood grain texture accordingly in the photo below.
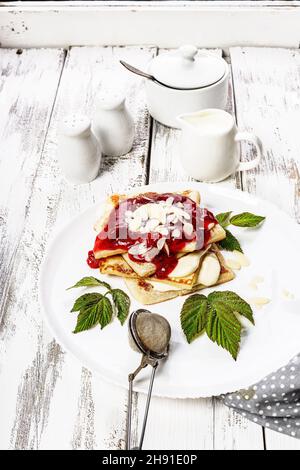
(234, 432)
(24, 120)
(28, 85)
(267, 95)
(45, 389)
(203, 423)
(277, 441)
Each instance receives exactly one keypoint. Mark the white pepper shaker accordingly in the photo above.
(113, 125)
(79, 153)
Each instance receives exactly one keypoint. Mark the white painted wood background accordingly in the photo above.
(167, 23)
(47, 400)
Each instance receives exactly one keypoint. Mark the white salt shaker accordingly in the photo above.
(79, 153)
(113, 125)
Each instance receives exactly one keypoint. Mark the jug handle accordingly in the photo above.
(253, 139)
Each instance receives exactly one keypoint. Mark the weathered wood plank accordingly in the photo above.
(28, 84)
(267, 97)
(65, 406)
(234, 432)
(277, 441)
(267, 93)
(199, 424)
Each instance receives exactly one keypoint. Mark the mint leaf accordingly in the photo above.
(223, 328)
(99, 313)
(246, 219)
(85, 301)
(234, 302)
(90, 281)
(223, 218)
(193, 316)
(122, 304)
(230, 243)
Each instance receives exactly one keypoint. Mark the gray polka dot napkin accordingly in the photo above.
(274, 402)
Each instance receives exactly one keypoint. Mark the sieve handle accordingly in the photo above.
(154, 367)
(144, 362)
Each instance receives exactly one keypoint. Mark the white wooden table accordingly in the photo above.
(47, 400)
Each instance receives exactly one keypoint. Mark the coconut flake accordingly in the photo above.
(166, 248)
(171, 218)
(142, 212)
(135, 224)
(151, 225)
(162, 230)
(233, 264)
(143, 248)
(151, 254)
(260, 301)
(188, 229)
(160, 243)
(176, 233)
(241, 258)
(135, 249)
(169, 201)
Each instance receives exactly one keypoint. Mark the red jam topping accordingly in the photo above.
(117, 235)
(92, 261)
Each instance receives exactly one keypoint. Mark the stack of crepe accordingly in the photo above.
(195, 270)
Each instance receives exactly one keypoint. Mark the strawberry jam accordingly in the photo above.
(117, 235)
(92, 261)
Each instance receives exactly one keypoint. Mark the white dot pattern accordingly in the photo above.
(274, 402)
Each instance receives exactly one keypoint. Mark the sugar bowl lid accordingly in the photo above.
(188, 68)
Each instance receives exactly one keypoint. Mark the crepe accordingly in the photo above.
(145, 292)
(118, 266)
(140, 277)
(115, 199)
(144, 269)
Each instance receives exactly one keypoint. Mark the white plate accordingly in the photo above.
(202, 368)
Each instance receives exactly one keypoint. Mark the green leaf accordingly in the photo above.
(106, 312)
(246, 219)
(217, 315)
(85, 301)
(223, 328)
(230, 243)
(90, 281)
(193, 316)
(122, 304)
(87, 319)
(234, 302)
(99, 313)
(223, 218)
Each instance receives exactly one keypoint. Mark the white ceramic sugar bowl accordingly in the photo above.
(198, 79)
(112, 124)
(79, 153)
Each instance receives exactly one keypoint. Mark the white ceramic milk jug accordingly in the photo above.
(79, 153)
(210, 145)
(113, 125)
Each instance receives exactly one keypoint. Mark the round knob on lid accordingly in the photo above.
(188, 52)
